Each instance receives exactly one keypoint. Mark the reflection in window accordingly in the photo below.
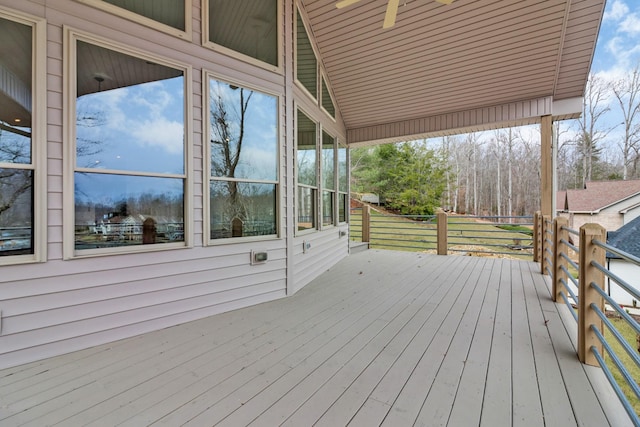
(343, 185)
(130, 153)
(307, 171)
(249, 27)
(143, 210)
(306, 62)
(327, 102)
(258, 204)
(328, 178)
(243, 133)
(16, 163)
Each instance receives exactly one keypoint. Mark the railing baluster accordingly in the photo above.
(560, 235)
(590, 252)
(366, 224)
(442, 233)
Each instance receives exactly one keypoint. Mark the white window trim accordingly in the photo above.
(38, 137)
(207, 178)
(322, 189)
(140, 19)
(339, 193)
(71, 37)
(318, 188)
(279, 68)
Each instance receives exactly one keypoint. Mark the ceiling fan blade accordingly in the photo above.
(390, 16)
(345, 3)
(445, 1)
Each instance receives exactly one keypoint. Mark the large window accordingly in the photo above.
(21, 138)
(243, 161)
(306, 62)
(307, 172)
(328, 179)
(129, 149)
(343, 184)
(171, 16)
(248, 27)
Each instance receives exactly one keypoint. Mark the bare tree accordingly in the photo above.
(627, 94)
(13, 150)
(227, 131)
(590, 130)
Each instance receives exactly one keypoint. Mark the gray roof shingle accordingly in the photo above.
(626, 238)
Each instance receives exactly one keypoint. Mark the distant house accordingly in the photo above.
(610, 203)
(627, 239)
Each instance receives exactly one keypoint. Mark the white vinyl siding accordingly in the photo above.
(61, 305)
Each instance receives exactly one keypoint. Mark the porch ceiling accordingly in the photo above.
(452, 68)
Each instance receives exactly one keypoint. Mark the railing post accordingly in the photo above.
(366, 224)
(537, 233)
(543, 244)
(559, 274)
(586, 295)
(442, 233)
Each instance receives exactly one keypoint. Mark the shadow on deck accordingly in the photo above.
(383, 338)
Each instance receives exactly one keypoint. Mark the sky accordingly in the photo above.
(618, 47)
(617, 53)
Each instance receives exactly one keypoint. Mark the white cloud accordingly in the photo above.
(631, 24)
(617, 11)
(160, 133)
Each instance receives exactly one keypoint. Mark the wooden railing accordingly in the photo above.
(578, 275)
(444, 234)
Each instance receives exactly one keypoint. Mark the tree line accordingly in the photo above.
(498, 172)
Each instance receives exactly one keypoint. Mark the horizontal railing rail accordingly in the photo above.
(443, 233)
(578, 275)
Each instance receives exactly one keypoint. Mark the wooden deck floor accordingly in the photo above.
(383, 338)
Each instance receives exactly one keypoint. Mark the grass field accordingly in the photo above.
(630, 336)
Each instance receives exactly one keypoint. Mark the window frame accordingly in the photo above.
(339, 193)
(38, 164)
(207, 75)
(71, 38)
(148, 22)
(324, 81)
(332, 191)
(316, 190)
(298, 83)
(205, 26)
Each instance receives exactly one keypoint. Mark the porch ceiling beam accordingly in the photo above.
(500, 116)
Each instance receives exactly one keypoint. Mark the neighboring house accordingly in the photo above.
(229, 123)
(609, 203)
(627, 239)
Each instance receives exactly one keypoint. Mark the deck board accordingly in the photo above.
(383, 338)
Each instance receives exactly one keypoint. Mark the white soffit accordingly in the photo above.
(469, 60)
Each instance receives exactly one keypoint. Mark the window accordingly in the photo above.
(327, 102)
(248, 27)
(306, 161)
(328, 179)
(171, 16)
(306, 62)
(343, 184)
(243, 161)
(22, 175)
(129, 151)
